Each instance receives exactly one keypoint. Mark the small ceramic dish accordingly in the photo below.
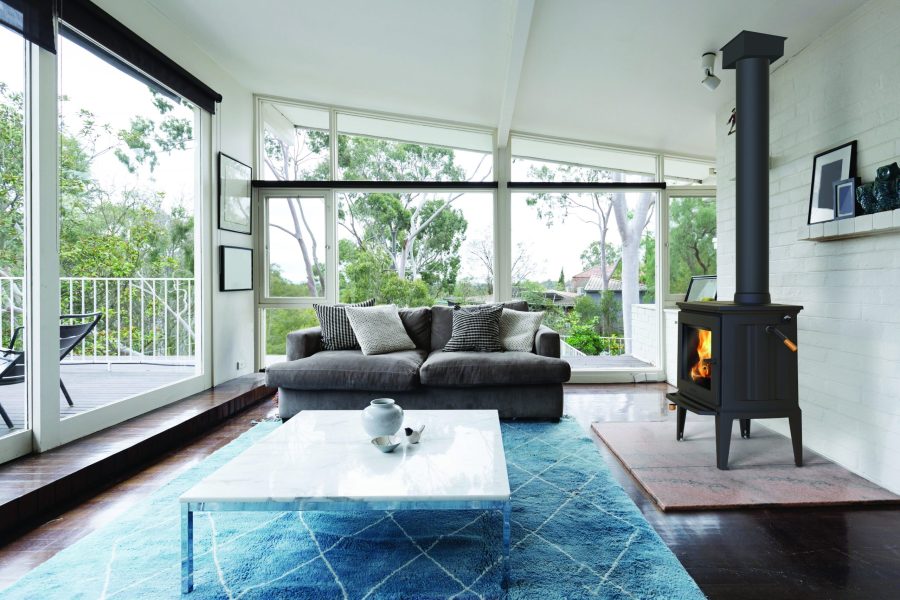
(386, 443)
(413, 434)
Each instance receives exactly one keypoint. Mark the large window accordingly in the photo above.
(692, 241)
(296, 143)
(586, 255)
(295, 246)
(552, 161)
(586, 260)
(13, 405)
(377, 149)
(127, 202)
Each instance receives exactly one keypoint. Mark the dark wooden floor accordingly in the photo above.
(769, 554)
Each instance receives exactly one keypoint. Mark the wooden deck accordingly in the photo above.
(93, 385)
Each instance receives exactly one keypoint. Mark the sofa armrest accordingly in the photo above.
(546, 342)
(304, 343)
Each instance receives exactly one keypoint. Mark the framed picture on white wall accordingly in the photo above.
(829, 167)
(235, 269)
(234, 195)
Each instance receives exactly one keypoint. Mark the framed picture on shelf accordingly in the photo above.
(702, 287)
(845, 198)
(235, 269)
(829, 167)
(234, 195)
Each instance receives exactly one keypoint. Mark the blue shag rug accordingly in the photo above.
(575, 534)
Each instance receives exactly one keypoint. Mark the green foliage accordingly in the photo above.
(282, 321)
(691, 241)
(592, 257)
(367, 274)
(561, 282)
(584, 337)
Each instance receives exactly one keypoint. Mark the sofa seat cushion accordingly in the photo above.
(349, 370)
(461, 369)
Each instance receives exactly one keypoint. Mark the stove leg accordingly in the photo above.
(680, 414)
(745, 428)
(723, 440)
(797, 437)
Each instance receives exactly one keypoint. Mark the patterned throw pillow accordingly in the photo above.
(337, 334)
(476, 329)
(379, 329)
(517, 329)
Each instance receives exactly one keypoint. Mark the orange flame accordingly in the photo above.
(703, 369)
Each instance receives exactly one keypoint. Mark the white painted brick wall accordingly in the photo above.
(843, 86)
(645, 332)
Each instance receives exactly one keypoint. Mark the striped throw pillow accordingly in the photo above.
(337, 334)
(476, 329)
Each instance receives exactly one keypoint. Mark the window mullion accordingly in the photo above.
(42, 225)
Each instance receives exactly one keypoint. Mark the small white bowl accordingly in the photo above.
(386, 443)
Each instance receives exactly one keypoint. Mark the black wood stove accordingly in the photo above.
(737, 360)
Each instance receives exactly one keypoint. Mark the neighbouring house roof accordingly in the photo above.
(579, 282)
(595, 284)
(561, 298)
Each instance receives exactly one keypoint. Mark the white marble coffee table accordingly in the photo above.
(324, 460)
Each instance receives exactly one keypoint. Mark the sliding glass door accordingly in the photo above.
(15, 418)
(128, 186)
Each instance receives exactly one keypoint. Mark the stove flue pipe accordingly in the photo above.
(751, 54)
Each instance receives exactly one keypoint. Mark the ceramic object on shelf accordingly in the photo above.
(382, 417)
(413, 434)
(386, 443)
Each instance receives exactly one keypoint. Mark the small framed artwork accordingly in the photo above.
(234, 195)
(829, 167)
(845, 198)
(235, 269)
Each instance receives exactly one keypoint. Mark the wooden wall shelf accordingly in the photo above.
(861, 226)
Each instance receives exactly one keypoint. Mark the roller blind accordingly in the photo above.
(86, 23)
(33, 19)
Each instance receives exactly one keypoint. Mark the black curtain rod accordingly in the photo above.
(461, 185)
(380, 185)
(587, 185)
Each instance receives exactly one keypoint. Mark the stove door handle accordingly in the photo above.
(787, 341)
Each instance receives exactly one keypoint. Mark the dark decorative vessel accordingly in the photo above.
(737, 360)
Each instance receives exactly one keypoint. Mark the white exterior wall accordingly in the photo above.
(843, 86)
(645, 332)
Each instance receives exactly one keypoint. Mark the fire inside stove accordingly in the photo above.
(699, 356)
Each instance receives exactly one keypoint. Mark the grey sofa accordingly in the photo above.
(520, 385)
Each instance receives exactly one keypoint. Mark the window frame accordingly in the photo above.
(672, 192)
(502, 207)
(42, 303)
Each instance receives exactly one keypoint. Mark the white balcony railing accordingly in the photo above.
(144, 319)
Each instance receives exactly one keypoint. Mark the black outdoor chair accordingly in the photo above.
(12, 362)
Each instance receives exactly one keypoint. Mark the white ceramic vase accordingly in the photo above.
(382, 417)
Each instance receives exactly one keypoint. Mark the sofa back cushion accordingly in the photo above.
(442, 322)
(417, 322)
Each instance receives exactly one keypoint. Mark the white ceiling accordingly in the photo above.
(613, 71)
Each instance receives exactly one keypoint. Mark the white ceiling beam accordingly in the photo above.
(522, 12)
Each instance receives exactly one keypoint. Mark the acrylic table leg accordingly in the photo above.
(187, 549)
(507, 510)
